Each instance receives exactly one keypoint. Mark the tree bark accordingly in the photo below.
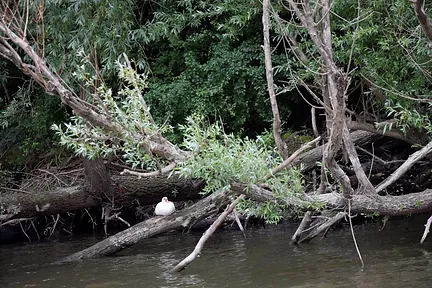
(270, 82)
(126, 190)
(98, 176)
(369, 204)
(182, 219)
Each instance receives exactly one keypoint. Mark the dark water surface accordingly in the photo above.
(393, 258)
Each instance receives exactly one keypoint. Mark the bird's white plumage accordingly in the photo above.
(164, 207)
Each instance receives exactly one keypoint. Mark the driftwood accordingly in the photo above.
(206, 235)
(126, 190)
(182, 219)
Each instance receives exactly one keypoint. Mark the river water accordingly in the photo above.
(265, 258)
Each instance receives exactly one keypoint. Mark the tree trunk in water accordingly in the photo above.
(182, 219)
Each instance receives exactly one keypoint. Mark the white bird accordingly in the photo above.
(164, 207)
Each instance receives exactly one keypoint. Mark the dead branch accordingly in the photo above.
(239, 224)
(352, 232)
(127, 189)
(332, 221)
(288, 161)
(270, 82)
(404, 167)
(365, 186)
(301, 228)
(384, 205)
(426, 231)
(195, 253)
(411, 138)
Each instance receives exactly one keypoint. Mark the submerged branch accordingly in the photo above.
(195, 253)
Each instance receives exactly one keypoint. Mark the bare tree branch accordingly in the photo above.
(195, 253)
(405, 167)
(270, 82)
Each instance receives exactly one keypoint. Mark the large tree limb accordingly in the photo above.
(369, 204)
(310, 158)
(365, 186)
(411, 137)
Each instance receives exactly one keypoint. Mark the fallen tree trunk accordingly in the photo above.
(26, 204)
(402, 205)
(182, 219)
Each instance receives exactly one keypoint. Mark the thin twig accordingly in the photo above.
(352, 232)
(23, 230)
(55, 224)
(34, 228)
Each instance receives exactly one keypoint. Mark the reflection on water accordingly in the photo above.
(393, 258)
